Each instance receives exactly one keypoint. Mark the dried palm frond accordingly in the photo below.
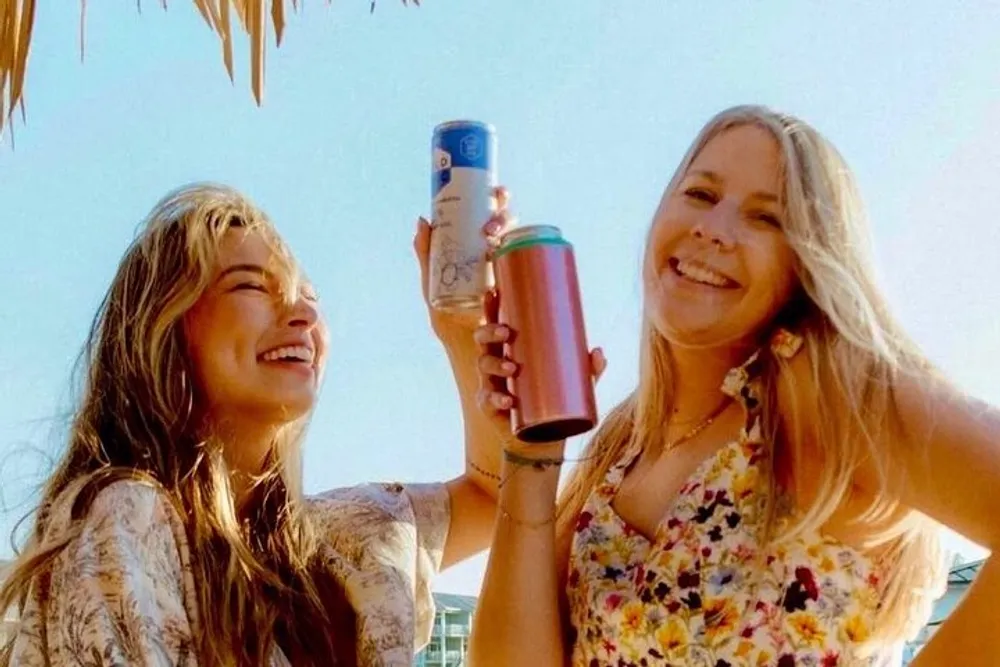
(17, 19)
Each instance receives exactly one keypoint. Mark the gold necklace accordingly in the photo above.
(700, 426)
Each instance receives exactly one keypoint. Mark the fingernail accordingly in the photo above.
(508, 366)
(506, 401)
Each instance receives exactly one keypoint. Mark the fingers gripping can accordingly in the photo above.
(540, 302)
(464, 175)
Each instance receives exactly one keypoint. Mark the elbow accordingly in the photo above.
(992, 543)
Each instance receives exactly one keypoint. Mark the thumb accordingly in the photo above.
(491, 306)
(422, 249)
(598, 363)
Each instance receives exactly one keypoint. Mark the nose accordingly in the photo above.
(717, 226)
(303, 313)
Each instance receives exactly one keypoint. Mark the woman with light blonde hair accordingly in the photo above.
(174, 530)
(771, 491)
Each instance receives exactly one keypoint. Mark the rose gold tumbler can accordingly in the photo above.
(539, 295)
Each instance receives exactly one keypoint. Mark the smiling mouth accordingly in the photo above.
(294, 354)
(701, 274)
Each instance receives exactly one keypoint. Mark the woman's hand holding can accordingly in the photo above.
(495, 367)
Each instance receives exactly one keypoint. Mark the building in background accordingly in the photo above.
(960, 577)
(450, 638)
(453, 620)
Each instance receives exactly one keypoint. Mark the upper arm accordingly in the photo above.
(395, 536)
(951, 458)
(473, 514)
(944, 458)
(116, 593)
(564, 547)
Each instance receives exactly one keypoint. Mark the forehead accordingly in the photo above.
(252, 246)
(746, 156)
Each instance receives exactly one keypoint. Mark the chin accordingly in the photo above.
(287, 409)
(694, 334)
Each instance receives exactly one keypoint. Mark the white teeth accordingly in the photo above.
(702, 274)
(289, 352)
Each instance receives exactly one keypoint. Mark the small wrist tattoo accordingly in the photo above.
(484, 472)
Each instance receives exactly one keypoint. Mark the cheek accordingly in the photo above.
(221, 345)
(209, 360)
(658, 244)
(197, 338)
(671, 224)
(778, 278)
(321, 338)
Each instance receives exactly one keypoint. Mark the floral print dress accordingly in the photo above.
(703, 592)
(122, 592)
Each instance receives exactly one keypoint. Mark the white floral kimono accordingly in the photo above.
(123, 594)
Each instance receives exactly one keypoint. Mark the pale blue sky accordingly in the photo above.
(594, 103)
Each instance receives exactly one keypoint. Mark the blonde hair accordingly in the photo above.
(856, 351)
(259, 579)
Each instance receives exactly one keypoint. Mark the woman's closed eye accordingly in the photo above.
(256, 286)
(767, 218)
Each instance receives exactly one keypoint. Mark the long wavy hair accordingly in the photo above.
(259, 579)
(856, 350)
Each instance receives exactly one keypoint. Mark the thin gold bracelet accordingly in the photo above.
(507, 516)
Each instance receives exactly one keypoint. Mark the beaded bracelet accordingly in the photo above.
(538, 463)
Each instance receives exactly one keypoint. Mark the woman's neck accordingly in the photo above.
(246, 446)
(698, 375)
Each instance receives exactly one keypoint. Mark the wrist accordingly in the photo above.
(459, 345)
(527, 458)
(535, 449)
(463, 357)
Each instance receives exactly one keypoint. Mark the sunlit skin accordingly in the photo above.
(719, 276)
(721, 225)
(235, 329)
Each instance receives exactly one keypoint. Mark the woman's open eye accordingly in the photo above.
(701, 194)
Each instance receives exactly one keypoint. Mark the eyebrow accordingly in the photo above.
(248, 268)
(715, 178)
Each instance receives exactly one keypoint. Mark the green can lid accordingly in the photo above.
(522, 237)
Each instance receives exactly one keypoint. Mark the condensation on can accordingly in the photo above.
(463, 178)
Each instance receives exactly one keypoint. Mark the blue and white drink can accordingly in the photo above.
(464, 175)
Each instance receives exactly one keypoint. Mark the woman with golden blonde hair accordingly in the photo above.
(174, 530)
(771, 491)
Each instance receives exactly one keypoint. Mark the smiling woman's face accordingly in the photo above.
(257, 352)
(718, 268)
